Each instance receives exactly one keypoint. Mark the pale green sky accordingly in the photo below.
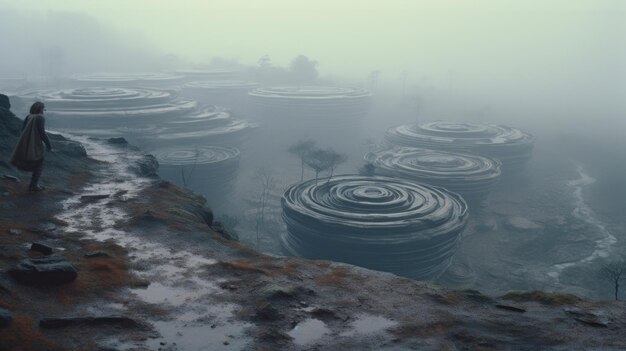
(478, 41)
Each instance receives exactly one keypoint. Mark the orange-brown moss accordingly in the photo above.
(336, 277)
(98, 273)
(23, 335)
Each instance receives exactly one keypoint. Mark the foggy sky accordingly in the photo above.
(561, 49)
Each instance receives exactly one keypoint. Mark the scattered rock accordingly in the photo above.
(511, 308)
(228, 286)
(71, 148)
(521, 223)
(13, 231)
(5, 317)
(276, 292)
(266, 311)
(93, 197)
(274, 336)
(12, 178)
(117, 141)
(147, 166)
(219, 228)
(54, 269)
(94, 254)
(326, 315)
(62, 322)
(39, 247)
(588, 318)
(47, 227)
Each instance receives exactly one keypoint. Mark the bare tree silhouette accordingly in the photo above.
(301, 149)
(614, 272)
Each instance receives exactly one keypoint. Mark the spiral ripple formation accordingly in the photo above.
(312, 100)
(472, 176)
(98, 108)
(380, 223)
(511, 146)
(211, 125)
(231, 93)
(130, 79)
(209, 170)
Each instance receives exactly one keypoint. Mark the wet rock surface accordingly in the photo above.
(49, 270)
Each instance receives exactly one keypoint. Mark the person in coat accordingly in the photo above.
(28, 153)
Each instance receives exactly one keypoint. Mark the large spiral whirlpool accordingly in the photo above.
(209, 170)
(511, 146)
(380, 223)
(472, 176)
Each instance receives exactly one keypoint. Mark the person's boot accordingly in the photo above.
(34, 181)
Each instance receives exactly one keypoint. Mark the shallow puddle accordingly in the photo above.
(308, 331)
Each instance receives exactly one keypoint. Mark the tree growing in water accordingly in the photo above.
(301, 149)
(614, 272)
(320, 160)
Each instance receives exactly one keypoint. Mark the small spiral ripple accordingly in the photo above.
(511, 146)
(381, 223)
(472, 176)
(209, 170)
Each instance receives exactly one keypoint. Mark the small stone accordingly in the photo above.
(117, 141)
(94, 197)
(5, 317)
(47, 227)
(15, 231)
(226, 343)
(39, 247)
(511, 308)
(94, 254)
(267, 311)
(162, 343)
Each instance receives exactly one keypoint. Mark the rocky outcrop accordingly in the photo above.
(49, 270)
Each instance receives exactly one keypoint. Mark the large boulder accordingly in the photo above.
(54, 269)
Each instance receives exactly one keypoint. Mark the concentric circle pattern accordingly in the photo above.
(209, 170)
(221, 86)
(207, 74)
(107, 107)
(129, 79)
(207, 125)
(511, 146)
(380, 223)
(312, 99)
(472, 176)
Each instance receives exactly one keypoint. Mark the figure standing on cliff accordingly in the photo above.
(28, 153)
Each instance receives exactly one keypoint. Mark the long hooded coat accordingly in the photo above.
(28, 153)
